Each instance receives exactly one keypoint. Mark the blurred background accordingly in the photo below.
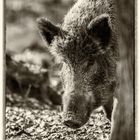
(30, 67)
(21, 18)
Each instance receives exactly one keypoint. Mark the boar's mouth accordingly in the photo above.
(72, 124)
(74, 121)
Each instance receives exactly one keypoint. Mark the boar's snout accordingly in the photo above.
(72, 121)
(72, 124)
(76, 110)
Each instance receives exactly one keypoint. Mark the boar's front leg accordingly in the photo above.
(108, 108)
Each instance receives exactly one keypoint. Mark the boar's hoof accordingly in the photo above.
(72, 124)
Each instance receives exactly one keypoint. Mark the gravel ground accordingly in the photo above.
(32, 120)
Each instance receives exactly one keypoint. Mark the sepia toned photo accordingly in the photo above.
(69, 69)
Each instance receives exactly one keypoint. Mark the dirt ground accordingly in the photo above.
(32, 120)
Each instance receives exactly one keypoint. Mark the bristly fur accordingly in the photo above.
(77, 38)
(89, 53)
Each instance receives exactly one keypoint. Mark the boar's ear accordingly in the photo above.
(100, 28)
(48, 30)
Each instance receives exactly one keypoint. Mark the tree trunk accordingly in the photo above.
(123, 117)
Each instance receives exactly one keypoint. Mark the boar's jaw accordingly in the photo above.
(73, 121)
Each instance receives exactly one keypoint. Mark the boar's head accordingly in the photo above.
(88, 64)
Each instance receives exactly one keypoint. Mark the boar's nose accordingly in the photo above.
(72, 124)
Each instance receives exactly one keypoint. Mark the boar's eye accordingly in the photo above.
(85, 64)
(88, 64)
